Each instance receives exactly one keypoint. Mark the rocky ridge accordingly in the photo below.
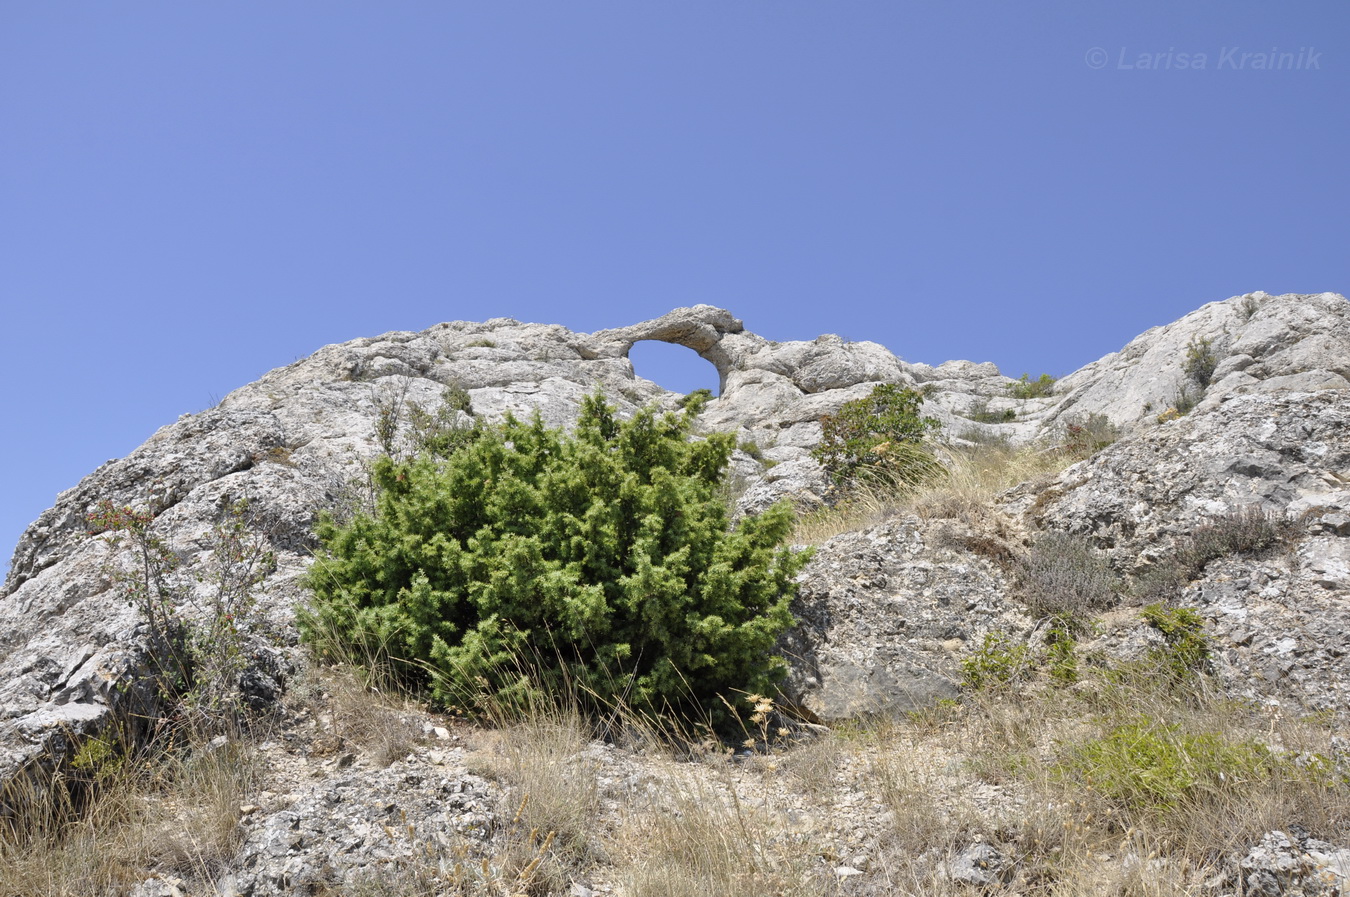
(886, 614)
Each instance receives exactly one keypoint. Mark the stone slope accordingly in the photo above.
(1282, 622)
(73, 655)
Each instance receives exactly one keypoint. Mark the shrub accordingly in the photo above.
(602, 560)
(698, 397)
(1084, 436)
(1026, 388)
(1200, 360)
(1183, 629)
(442, 432)
(1246, 531)
(1062, 575)
(877, 438)
(997, 662)
(981, 413)
(198, 659)
(1061, 652)
(1144, 764)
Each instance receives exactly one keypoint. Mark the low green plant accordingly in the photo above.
(1083, 436)
(878, 439)
(1187, 648)
(443, 431)
(999, 661)
(1183, 403)
(1144, 764)
(981, 413)
(1061, 650)
(698, 398)
(600, 563)
(481, 344)
(1026, 388)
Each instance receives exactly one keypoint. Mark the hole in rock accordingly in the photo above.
(676, 368)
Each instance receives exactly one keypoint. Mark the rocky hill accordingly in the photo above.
(1237, 414)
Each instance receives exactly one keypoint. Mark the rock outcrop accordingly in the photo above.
(885, 612)
(1282, 621)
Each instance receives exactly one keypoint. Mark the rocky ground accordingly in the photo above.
(1226, 494)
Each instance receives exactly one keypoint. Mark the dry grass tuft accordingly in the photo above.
(169, 812)
(380, 721)
(971, 478)
(694, 837)
(552, 779)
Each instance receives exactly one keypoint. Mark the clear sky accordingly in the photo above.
(194, 193)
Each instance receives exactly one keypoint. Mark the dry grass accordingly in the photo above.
(971, 478)
(380, 721)
(552, 780)
(173, 813)
(695, 837)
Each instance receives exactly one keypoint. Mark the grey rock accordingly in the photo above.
(978, 864)
(1291, 863)
(885, 615)
(1262, 343)
(364, 826)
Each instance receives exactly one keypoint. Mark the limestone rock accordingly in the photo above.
(1273, 342)
(1280, 622)
(1291, 863)
(364, 827)
(885, 615)
(884, 612)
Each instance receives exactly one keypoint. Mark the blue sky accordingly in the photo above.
(192, 194)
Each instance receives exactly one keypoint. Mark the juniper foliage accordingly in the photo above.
(605, 559)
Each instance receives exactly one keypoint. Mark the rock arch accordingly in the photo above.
(700, 328)
(674, 367)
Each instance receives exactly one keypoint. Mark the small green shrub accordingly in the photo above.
(999, 661)
(878, 439)
(1147, 765)
(1187, 651)
(751, 448)
(530, 561)
(1026, 388)
(1061, 650)
(1200, 361)
(698, 398)
(481, 344)
(442, 432)
(1084, 436)
(1184, 403)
